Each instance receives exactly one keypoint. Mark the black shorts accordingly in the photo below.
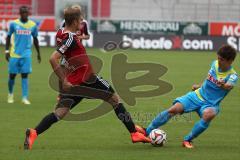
(98, 88)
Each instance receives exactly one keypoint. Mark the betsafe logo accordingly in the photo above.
(124, 84)
(169, 42)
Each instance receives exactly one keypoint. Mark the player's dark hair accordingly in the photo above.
(71, 14)
(23, 9)
(227, 52)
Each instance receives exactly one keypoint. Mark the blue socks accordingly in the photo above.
(10, 85)
(198, 128)
(25, 88)
(160, 120)
(163, 118)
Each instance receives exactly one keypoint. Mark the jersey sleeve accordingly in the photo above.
(233, 79)
(35, 31)
(11, 29)
(66, 44)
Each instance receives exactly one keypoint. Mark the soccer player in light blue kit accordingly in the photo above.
(19, 57)
(205, 98)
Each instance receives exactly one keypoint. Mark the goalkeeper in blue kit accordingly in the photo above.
(205, 99)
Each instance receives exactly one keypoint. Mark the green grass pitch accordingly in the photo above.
(105, 137)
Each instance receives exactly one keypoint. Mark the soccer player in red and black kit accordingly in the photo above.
(78, 73)
(82, 33)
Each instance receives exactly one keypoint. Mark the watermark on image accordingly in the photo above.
(145, 118)
(94, 87)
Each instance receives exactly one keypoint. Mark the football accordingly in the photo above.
(158, 137)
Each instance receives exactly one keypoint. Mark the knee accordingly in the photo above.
(175, 109)
(24, 75)
(12, 76)
(209, 114)
(114, 100)
(61, 112)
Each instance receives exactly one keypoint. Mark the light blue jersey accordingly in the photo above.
(210, 90)
(21, 38)
(210, 94)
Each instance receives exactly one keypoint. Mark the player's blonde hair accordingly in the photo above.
(71, 14)
(77, 6)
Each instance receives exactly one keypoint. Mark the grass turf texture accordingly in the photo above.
(106, 137)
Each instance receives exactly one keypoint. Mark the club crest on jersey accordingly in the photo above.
(23, 32)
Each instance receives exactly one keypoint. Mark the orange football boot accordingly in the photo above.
(141, 130)
(31, 135)
(187, 144)
(139, 137)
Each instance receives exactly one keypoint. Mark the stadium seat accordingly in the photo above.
(2, 12)
(2, 6)
(2, 9)
(45, 8)
(29, 2)
(8, 9)
(9, 1)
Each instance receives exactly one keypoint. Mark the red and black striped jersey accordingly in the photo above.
(77, 63)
